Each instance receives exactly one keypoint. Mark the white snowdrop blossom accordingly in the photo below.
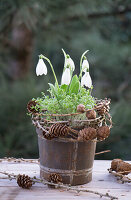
(41, 68)
(70, 63)
(85, 65)
(86, 80)
(66, 77)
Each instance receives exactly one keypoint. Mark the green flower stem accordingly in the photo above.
(64, 56)
(80, 75)
(41, 56)
(81, 63)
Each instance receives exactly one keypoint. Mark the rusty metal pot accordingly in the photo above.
(71, 159)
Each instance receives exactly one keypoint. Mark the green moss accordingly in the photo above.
(65, 103)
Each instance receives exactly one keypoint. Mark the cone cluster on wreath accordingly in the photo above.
(95, 126)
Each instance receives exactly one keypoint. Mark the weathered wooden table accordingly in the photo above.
(102, 182)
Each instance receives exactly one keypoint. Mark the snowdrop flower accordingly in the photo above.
(85, 66)
(41, 68)
(69, 63)
(66, 77)
(86, 80)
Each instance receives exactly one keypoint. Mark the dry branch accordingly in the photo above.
(19, 160)
(67, 187)
(106, 151)
(37, 124)
(120, 176)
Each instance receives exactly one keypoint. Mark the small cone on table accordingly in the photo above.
(55, 178)
(114, 164)
(120, 166)
(24, 181)
(123, 167)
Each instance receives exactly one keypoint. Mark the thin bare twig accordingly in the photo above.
(37, 124)
(77, 189)
(121, 177)
(67, 187)
(106, 151)
(109, 119)
(19, 160)
(125, 172)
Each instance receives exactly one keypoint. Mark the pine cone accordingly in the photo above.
(114, 164)
(81, 108)
(24, 181)
(87, 134)
(30, 106)
(123, 167)
(90, 114)
(103, 132)
(55, 178)
(59, 130)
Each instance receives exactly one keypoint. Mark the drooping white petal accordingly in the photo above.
(41, 68)
(85, 65)
(66, 77)
(86, 80)
(69, 62)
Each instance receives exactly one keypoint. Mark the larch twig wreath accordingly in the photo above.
(69, 122)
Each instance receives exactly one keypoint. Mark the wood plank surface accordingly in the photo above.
(102, 182)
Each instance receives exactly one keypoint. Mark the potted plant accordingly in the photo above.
(69, 122)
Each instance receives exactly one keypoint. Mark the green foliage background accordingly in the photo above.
(103, 27)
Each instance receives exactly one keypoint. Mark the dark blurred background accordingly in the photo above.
(29, 28)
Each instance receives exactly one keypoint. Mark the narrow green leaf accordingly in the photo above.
(74, 86)
(52, 89)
